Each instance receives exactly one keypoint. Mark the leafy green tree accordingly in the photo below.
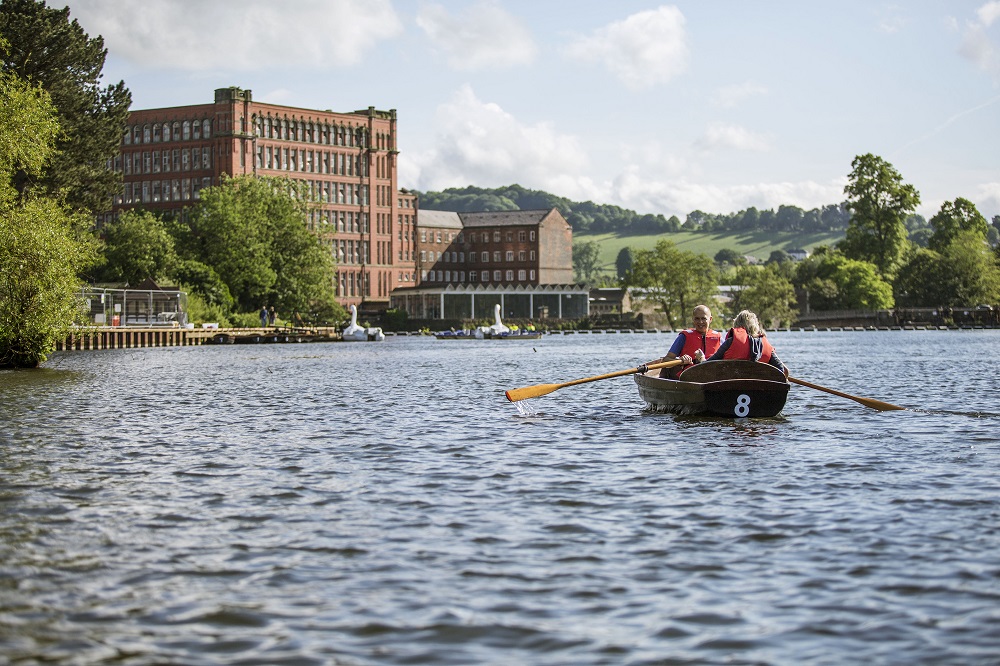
(766, 291)
(624, 262)
(46, 48)
(137, 247)
(586, 261)
(729, 256)
(954, 217)
(40, 253)
(923, 280)
(202, 279)
(672, 278)
(252, 232)
(879, 202)
(974, 274)
(834, 282)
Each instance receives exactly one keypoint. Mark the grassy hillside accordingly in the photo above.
(759, 244)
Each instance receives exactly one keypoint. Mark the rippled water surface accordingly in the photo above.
(382, 503)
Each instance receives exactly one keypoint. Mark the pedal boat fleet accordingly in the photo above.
(735, 389)
(498, 331)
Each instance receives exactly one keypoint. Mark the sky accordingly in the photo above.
(714, 106)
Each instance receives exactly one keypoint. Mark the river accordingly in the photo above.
(382, 503)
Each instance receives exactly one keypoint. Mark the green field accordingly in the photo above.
(759, 244)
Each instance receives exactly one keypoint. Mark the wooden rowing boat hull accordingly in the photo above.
(733, 389)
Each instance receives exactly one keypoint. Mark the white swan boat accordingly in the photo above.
(355, 333)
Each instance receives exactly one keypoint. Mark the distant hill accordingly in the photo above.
(749, 232)
(588, 217)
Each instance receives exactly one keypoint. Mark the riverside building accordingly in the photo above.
(469, 262)
(347, 161)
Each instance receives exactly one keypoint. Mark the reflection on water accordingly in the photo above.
(385, 503)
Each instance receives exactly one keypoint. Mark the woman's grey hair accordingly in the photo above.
(748, 320)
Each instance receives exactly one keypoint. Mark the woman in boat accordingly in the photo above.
(746, 341)
(692, 345)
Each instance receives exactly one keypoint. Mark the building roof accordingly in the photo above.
(443, 219)
(505, 218)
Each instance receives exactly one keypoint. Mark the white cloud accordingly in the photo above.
(485, 36)
(637, 191)
(988, 13)
(239, 34)
(478, 143)
(643, 50)
(730, 96)
(722, 136)
(977, 43)
(987, 199)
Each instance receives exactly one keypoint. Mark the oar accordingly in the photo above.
(541, 389)
(867, 402)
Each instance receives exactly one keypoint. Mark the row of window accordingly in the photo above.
(459, 276)
(155, 191)
(338, 221)
(278, 158)
(459, 257)
(283, 129)
(481, 237)
(187, 130)
(155, 161)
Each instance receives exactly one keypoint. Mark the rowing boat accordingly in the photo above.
(734, 389)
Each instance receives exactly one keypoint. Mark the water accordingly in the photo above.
(382, 503)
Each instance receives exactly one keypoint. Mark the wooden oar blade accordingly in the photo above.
(514, 395)
(880, 406)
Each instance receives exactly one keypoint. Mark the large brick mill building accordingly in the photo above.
(349, 164)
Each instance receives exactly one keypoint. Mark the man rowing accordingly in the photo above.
(692, 345)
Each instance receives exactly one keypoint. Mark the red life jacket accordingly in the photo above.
(693, 342)
(740, 349)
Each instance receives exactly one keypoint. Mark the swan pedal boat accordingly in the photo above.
(734, 389)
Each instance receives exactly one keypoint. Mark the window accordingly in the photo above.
(520, 236)
(510, 236)
(521, 255)
(206, 129)
(510, 255)
(157, 133)
(496, 236)
(461, 257)
(521, 275)
(472, 257)
(473, 276)
(187, 130)
(486, 256)
(496, 276)
(532, 275)
(146, 135)
(439, 237)
(531, 254)
(531, 235)
(423, 236)
(496, 256)
(177, 131)
(510, 276)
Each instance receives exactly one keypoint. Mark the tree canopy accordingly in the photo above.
(672, 278)
(47, 49)
(879, 202)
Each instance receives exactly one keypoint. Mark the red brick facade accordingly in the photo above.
(348, 161)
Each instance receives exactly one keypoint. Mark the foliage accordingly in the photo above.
(624, 262)
(40, 257)
(40, 253)
(832, 281)
(674, 279)
(394, 319)
(963, 273)
(137, 247)
(879, 203)
(729, 256)
(766, 291)
(586, 255)
(201, 311)
(954, 217)
(923, 280)
(46, 48)
(201, 279)
(252, 232)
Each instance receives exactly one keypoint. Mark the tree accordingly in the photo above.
(624, 262)
(974, 274)
(137, 247)
(765, 291)
(586, 261)
(879, 203)
(954, 217)
(834, 282)
(923, 280)
(674, 279)
(47, 49)
(252, 232)
(730, 256)
(40, 254)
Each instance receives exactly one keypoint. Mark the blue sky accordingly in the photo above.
(662, 108)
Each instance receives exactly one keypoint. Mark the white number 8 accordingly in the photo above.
(742, 405)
